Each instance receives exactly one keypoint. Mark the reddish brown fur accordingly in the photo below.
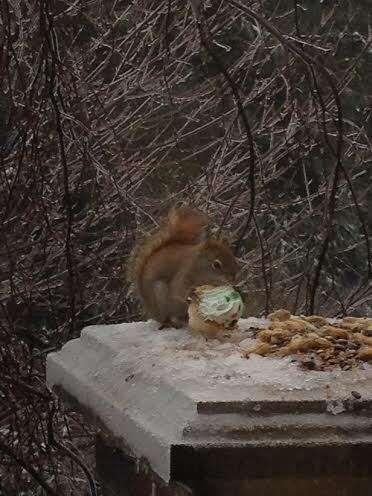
(174, 260)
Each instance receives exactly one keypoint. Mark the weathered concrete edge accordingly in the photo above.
(144, 441)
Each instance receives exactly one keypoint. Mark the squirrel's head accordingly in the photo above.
(214, 263)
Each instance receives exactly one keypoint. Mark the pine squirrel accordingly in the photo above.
(173, 260)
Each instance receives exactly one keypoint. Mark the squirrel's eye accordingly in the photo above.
(217, 264)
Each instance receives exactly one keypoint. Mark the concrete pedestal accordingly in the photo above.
(181, 416)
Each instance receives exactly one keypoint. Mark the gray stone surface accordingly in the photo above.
(158, 390)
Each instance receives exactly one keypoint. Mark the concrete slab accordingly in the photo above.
(171, 394)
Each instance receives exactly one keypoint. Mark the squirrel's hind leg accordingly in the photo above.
(178, 323)
(164, 325)
(172, 322)
(167, 311)
(160, 304)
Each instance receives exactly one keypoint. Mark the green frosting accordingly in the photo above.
(221, 303)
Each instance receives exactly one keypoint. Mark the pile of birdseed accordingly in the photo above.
(315, 343)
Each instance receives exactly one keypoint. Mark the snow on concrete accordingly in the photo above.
(206, 366)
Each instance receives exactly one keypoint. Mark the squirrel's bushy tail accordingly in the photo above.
(183, 225)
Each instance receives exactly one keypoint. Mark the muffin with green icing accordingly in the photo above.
(214, 308)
